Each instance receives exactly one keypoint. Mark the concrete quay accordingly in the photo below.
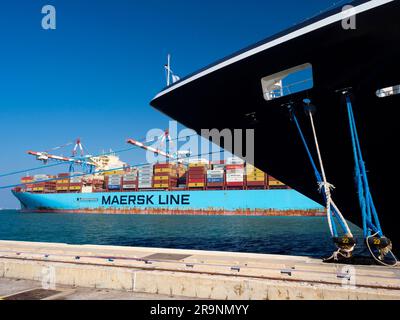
(193, 274)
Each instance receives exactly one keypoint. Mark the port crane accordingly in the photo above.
(85, 161)
(165, 137)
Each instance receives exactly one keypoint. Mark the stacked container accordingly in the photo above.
(97, 183)
(114, 182)
(196, 175)
(145, 177)
(62, 183)
(129, 181)
(47, 187)
(40, 177)
(234, 161)
(114, 172)
(165, 176)
(182, 169)
(235, 175)
(28, 183)
(255, 177)
(215, 178)
(40, 184)
(26, 180)
(275, 183)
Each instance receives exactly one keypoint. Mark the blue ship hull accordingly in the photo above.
(218, 202)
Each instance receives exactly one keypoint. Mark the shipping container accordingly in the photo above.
(196, 184)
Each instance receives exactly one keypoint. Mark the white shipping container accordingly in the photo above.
(131, 176)
(217, 172)
(87, 189)
(129, 186)
(145, 186)
(145, 175)
(234, 180)
(40, 177)
(234, 160)
(235, 172)
(114, 176)
(235, 176)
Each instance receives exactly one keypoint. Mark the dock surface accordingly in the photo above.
(192, 273)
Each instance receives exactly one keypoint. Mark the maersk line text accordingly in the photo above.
(150, 199)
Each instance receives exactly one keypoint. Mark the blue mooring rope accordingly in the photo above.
(370, 218)
(333, 214)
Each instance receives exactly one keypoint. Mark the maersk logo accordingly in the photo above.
(87, 199)
(150, 199)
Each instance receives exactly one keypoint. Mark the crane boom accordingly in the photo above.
(43, 156)
(154, 150)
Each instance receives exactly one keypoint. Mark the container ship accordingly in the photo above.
(198, 187)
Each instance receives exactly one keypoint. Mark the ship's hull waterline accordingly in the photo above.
(218, 202)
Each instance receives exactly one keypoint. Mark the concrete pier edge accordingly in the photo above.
(195, 274)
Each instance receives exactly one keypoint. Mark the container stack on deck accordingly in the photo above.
(114, 182)
(181, 174)
(97, 184)
(255, 178)
(62, 183)
(196, 175)
(275, 183)
(216, 177)
(145, 177)
(75, 183)
(165, 176)
(235, 173)
(129, 181)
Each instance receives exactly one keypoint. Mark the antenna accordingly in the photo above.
(168, 66)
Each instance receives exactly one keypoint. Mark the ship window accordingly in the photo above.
(288, 82)
(387, 92)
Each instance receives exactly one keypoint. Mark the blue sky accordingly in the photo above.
(93, 76)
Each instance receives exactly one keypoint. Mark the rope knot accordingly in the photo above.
(325, 186)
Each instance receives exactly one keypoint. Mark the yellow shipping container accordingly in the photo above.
(196, 165)
(165, 170)
(75, 188)
(256, 174)
(62, 188)
(196, 185)
(257, 179)
(62, 181)
(161, 178)
(275, 183)
(109, 173)
(160, 185)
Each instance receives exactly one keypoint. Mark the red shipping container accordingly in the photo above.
(63, 175)
(235, 184)
(197, 169)
(196, 180)
(215, 184)
(164, 166)
(255, 183)
(234, 166)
